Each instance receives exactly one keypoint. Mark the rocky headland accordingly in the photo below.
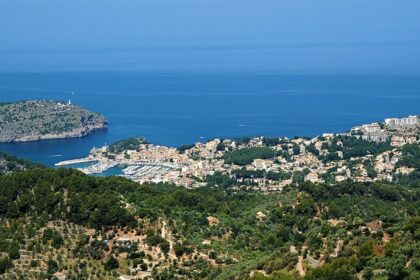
(36, 120)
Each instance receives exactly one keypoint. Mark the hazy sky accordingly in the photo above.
(287, 36)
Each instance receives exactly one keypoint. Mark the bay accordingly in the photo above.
(180, 108)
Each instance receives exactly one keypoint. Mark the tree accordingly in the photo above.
(325, 230)
(179, 249)
(57, 240)
(14, 253)
(247, 155)
(5, 264)
(111, 264)
(52, 266)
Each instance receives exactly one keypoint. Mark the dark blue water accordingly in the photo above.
(176, 109)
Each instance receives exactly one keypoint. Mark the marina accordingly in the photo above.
(98, 168)
(138, 170)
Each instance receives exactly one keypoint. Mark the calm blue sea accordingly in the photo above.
(176, 109)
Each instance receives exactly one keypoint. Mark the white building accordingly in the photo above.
(410, 120)
(373, 127)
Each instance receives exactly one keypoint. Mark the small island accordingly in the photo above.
(35, 120)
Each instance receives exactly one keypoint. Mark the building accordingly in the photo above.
(370, 128)
(379, 136)
(410, 120)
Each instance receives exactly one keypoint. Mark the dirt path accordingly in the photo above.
(386, 238)
(337, 248)
(166, 235)
(299, 267)
(252, 273)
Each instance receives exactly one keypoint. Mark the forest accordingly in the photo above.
(324, 228)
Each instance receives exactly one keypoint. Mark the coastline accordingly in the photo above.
(176, 109)
(40, 120)
(63, 136)
(366, 153)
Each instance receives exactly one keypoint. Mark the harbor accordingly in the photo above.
(190, 167)
(137, 170)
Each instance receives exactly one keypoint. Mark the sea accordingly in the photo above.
(182, 108)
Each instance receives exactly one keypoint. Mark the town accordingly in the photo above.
(367, 153)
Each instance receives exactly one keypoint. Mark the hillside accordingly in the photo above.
(359, 219)
(9, 164)
(43, 120)
(68, 225)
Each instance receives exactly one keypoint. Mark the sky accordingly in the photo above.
(285, 36)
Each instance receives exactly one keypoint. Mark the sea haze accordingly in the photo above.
(176, 109)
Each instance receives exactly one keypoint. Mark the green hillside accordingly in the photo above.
(61, 222)
(42, 120)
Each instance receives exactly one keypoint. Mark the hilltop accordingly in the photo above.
(35, 120)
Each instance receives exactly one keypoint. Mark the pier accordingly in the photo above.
(74, 161)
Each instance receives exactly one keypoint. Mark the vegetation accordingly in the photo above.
(271, 141)
(354, 147)
(127, 144)
(61, 221)
(241, 242)
(183, 148)
(247, 155)
(41, 120)
(410, 156)
(10, 164)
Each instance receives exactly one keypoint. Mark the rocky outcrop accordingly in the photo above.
(46, 120)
